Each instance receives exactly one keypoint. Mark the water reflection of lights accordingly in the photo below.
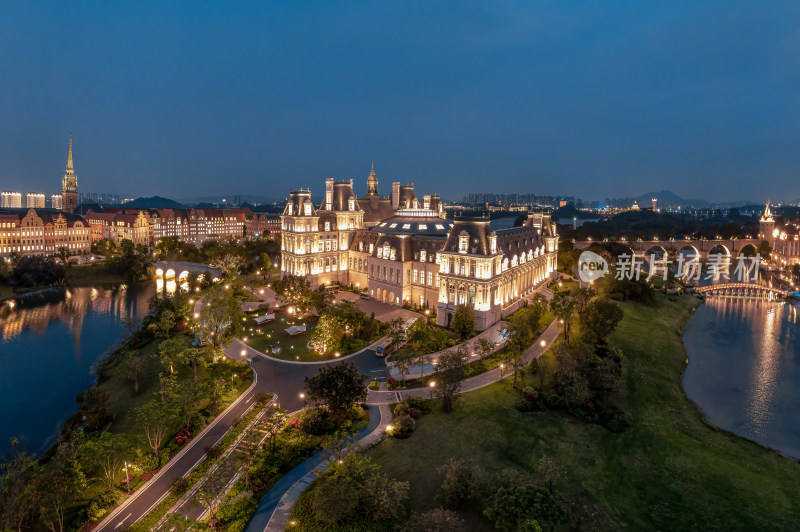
(766, 362)
(71, 309)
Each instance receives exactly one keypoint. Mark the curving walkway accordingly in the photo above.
(379, 397)
(275, 507)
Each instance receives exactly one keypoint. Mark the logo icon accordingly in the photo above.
(591, 266)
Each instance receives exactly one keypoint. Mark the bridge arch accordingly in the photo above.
(169, 274)
(657, 249)
(689, 249)
(720, 249)
(748, 250)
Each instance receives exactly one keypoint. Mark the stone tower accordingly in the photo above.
(69, 185)
(766, 226)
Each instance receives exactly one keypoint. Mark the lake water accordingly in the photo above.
(744, 371)
(48, 347)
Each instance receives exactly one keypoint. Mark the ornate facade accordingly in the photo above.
(401, 250)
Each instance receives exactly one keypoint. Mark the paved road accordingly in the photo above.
(157, 488)
(271, 376)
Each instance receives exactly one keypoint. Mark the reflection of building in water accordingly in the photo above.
(70, 308)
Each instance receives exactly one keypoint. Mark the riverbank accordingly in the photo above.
(669, 470)
(741, 369)
(84, 275)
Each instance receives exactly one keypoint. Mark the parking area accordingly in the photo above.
(383, 311)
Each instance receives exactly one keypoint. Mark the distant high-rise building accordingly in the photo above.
(69, 185)
(655, 204)
(56, 201)
(11, 200)
(34, 200)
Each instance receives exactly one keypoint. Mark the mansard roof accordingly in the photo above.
(376, 208)
(414, 225)
(297, 201)
(342, 194)
(478, 230)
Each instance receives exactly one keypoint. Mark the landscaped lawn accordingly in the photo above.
(669, 471)
(274, 333)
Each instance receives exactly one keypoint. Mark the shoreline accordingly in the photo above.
(700, 411)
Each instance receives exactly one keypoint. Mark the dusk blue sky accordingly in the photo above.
(591, 99)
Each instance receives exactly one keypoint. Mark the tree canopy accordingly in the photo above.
(337, 387)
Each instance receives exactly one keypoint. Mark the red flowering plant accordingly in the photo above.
(183, 436)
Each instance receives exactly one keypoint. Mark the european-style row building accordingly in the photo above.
(784, 240)
(402, 250)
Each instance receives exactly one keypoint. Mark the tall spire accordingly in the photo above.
(767, 217)
(372, 181)
(69, 155)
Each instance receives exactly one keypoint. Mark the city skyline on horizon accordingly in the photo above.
(585, 100)
(357, 186)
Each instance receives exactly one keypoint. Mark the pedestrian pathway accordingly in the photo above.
(493, 335)
(276, 506)
(378, 397)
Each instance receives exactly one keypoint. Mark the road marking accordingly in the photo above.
(123, 520)
(251, 398)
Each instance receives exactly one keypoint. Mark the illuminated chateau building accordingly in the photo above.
(404, 251)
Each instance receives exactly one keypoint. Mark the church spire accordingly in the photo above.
(372, 181)
(69, 155)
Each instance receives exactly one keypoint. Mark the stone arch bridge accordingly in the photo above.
(742, 290)
(701, 247)
(179, 270)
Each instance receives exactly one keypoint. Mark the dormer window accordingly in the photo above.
(392, 254)
(463, 242)
(493, 244)
(371, 247)
(380, 253)
(351, 204)
(327, 226)
(422, 256)
(289, 209)
(307, 207)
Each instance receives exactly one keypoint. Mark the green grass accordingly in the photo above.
(274, 332)
(671, 470)
(91, 275)
(5, 291)
(124, 401)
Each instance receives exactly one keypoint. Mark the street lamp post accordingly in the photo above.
(432, 385)
(303, 397)
(127, 477)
